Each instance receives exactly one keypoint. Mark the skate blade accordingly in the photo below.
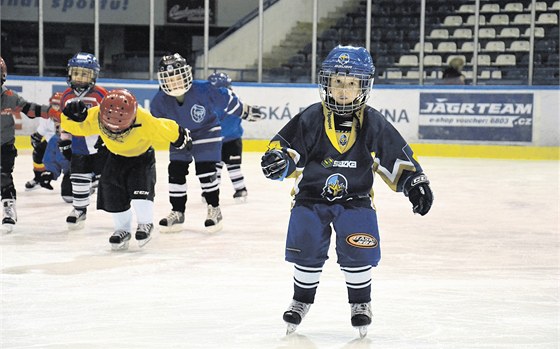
(142, 243)
(214, 228)
(34, 188)
(120, 247)
(291, 328)
(7, 228)
(363, 331)
(76, 226)
(175, 228)
(240, 200)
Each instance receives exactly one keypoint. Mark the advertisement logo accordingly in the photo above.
(497, 117)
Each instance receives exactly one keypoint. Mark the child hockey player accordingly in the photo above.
(11, 103)
(193, 105)
(332, 148)
(85, 153)
(129, 175)
(232, 144)
(55, 162)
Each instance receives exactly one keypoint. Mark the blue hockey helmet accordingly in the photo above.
(346, 78)
(220, 80)
(83, 70)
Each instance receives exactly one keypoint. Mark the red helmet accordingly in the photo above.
(54, 102)
(3, 69)
(117, 112)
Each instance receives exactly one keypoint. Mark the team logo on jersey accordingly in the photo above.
(198, 112)
(362, 240)
(343, 58)
(335, 187)
(343, 140)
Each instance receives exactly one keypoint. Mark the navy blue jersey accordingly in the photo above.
(201, 110)
(337, 167)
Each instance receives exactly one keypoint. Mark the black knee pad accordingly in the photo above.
(178, 171)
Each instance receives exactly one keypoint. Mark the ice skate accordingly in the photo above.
(32, 185)
(213, 222)
(240, 196)
(76, 219)
(172, 223)
(144, 233)
(119, 240)
(9, 218)
(295, 313)
(361, 317)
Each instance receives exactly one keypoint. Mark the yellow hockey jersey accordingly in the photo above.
(146, 131)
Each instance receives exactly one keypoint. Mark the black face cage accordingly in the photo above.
(366, 84)
(115, 136)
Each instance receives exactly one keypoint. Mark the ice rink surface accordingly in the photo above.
(481, 270)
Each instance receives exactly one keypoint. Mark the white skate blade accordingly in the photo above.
(240, 200)
(34, 188)
(7, 228)
(120, 247)
(142, 243)
(214, 228)
(363, 331)
(76, 226)
(175, 228)
(291, 328)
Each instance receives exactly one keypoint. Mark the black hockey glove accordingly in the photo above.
(36, 139)
(65, 148)
(75, 111)
(184, 141)
(418, 190)
(45, 180)
(274, 164)
(252, 113)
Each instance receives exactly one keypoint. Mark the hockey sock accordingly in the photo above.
(358, 283)
(178, 196)
(219, 167)
(123, 220)
(144, 211)
(206, 173)
(306, 281)
(236, 176)
(81, 185)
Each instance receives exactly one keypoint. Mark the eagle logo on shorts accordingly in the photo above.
(198, 112)
(335, 187)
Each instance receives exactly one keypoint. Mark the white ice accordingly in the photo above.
(481, 270)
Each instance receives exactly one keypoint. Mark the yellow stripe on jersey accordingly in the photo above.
(334, 135)
(147, 130)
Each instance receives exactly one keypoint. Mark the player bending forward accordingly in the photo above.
(129, 175)
(333, 148)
